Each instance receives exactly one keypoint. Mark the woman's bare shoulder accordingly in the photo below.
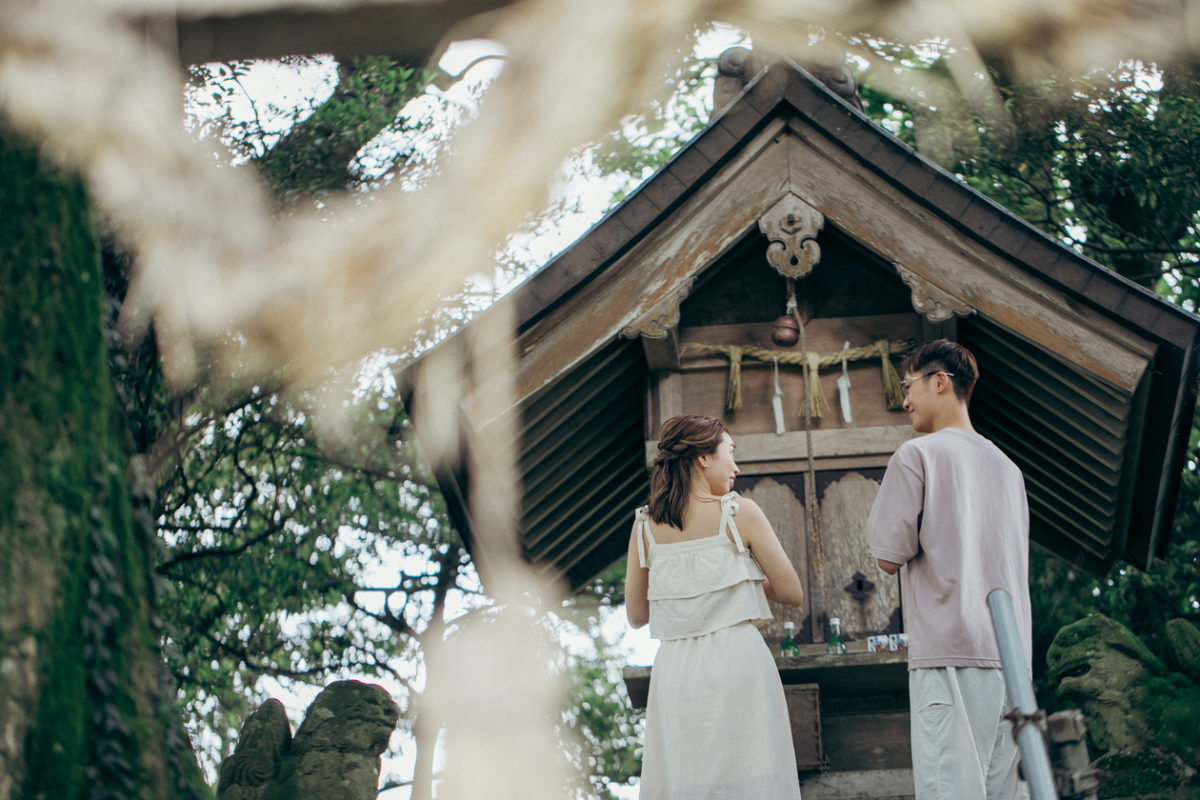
(746, 507)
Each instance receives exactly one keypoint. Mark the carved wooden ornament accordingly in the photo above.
(662, 317)
(792, 226)
(932, 302)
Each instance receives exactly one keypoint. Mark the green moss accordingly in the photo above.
(73, 565)
(1141, 717)
(1182, 640)
(54, 430)
(1086, 638)
(1144, 774)
(1174, 715)
(335, 753)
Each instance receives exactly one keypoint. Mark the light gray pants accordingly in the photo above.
(963, 748)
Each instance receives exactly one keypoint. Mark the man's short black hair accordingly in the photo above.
(946, 356)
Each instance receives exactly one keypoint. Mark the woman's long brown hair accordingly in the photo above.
(681, 440)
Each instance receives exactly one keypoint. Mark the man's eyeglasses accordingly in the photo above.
(905, 385)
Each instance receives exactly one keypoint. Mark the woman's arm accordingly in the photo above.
(637, 583)
(782, 584)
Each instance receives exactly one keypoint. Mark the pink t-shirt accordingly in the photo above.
(952, 507)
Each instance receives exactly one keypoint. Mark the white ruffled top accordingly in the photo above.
(703, 585)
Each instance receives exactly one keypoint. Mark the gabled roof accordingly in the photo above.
(1089, 381)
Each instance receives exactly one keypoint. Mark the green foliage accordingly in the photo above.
(273, 529)
(647, 141)
(270, 528)
(607, 589)
(607, 732)
(317, 157)
(1176, 730)
(602, 732)
(1142, 600)
(312, 147)
(1100, 161)
(1103, 162)
(273, 538)
(274, 533)
(222, 103)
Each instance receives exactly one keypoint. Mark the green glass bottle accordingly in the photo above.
(835, 643)
(789, 648)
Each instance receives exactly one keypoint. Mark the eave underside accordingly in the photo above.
(582, 463)
(1070, 435)
(583, 458)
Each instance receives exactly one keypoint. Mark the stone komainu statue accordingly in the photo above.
(1183, 647)
(335, 753)
(1140, 709)
(247, 773)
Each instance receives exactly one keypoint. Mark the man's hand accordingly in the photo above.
(888, 566)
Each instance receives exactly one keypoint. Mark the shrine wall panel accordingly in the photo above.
(850, 585)
(841, 581)
(785, 509)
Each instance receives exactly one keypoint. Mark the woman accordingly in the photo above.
(702, 563)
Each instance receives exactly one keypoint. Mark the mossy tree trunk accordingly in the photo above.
(85, 709)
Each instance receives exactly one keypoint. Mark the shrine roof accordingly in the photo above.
(1101, 442)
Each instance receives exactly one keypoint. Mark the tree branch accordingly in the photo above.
(398, 624)
(214, 552)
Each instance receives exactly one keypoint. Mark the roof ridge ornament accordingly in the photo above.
(737, 66)
(792, 226)
(933, 302)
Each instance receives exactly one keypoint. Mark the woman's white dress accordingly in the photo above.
(716, 720)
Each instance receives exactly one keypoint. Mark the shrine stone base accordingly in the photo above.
(878, 784)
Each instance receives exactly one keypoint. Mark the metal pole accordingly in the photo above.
(1034, 757)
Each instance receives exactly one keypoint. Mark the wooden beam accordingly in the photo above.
(850, 674)
(838, 463)
(939, 330)
(664, 399)
(662, 353)
(412, 32)
(856, 442)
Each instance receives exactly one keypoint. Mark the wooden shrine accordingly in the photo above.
(667, 305)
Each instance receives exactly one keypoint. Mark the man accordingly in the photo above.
(952, 510)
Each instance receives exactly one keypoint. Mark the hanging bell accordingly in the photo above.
(785, 331)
